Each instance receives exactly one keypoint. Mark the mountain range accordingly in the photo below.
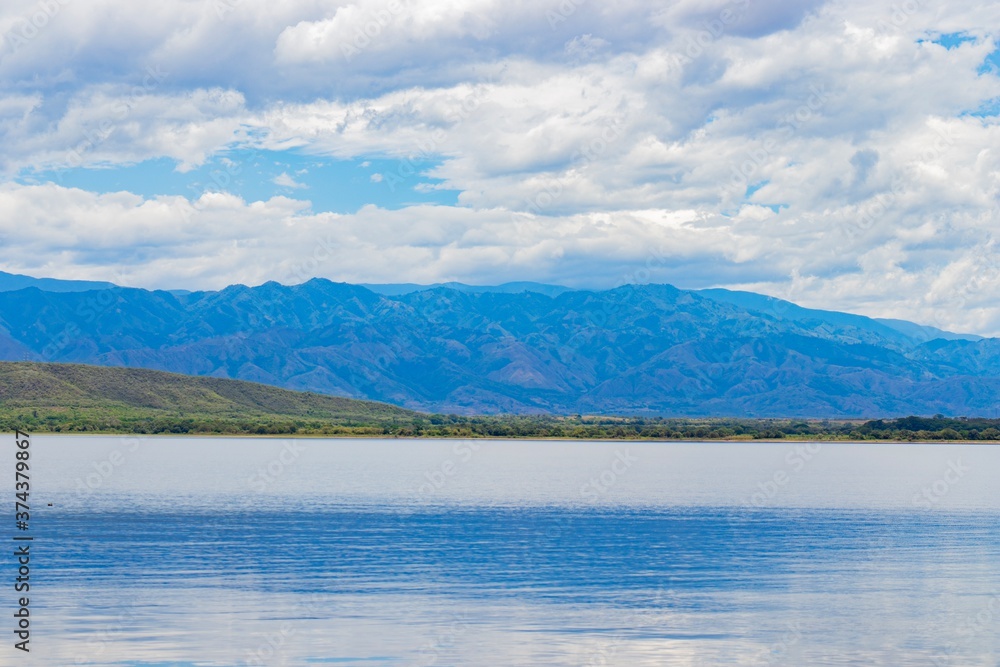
(11, 282)
(520, 348)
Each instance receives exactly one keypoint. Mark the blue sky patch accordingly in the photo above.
(952, 40)
(992, 63)
(338, 186)
(987, 109)
(752, 189)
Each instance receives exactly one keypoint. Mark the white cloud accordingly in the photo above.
(608, 128)
(585, 47)
(220, 239)
(444, 33)
(116, 125)
(286, 181)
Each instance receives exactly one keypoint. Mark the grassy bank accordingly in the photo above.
(68, 398)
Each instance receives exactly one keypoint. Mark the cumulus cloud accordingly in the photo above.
(833, 153)
(219, 239)
(109, 125)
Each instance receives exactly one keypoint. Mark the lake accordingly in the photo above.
(218, 551)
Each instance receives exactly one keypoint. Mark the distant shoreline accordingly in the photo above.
(310, 436)
(75, 399)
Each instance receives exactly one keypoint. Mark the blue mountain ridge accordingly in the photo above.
(636, 349)
(10, 282)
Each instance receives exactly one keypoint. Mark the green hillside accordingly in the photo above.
(73, 398)
(69, 397)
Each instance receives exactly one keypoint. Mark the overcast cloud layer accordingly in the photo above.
(843, 155)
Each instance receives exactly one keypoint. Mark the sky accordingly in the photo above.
(841, 155)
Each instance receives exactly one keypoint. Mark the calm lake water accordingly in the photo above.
(188, 551)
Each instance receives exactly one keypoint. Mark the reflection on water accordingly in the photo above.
(517, 553)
